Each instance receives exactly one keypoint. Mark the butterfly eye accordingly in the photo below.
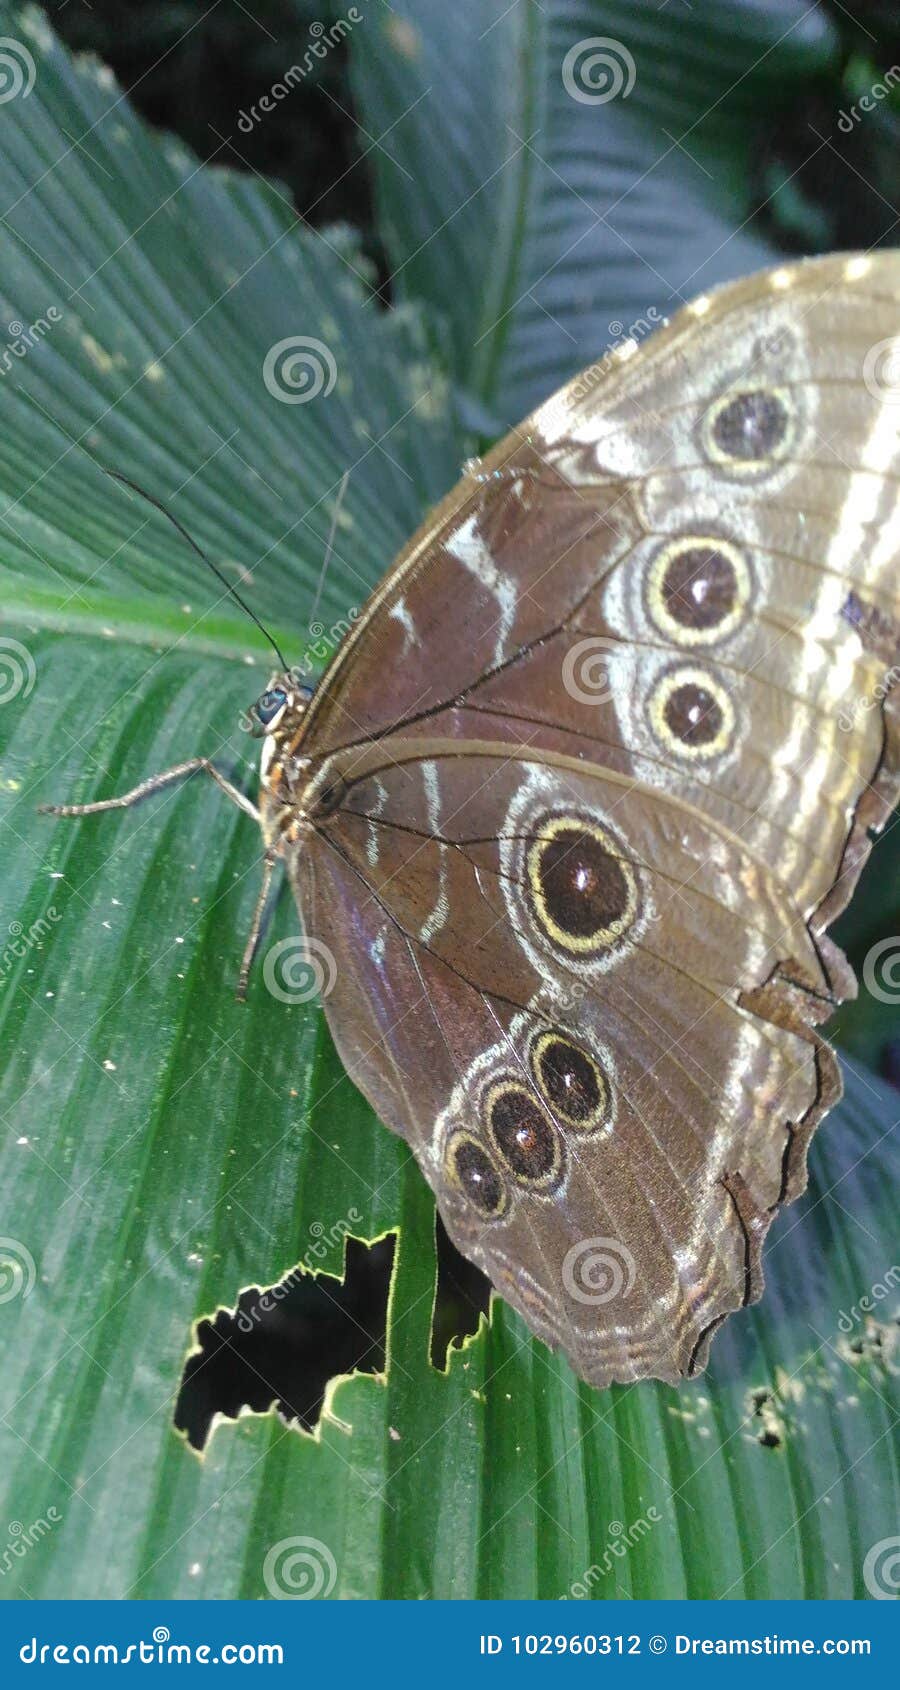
(268, 707)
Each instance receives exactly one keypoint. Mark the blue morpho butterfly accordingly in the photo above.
(581, 792)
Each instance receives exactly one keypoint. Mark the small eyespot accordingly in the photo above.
(692, 713)
(749, 429)
(583, 888)
(523, 1134)
(470, 1168)
(571, 1081)
(698, 588)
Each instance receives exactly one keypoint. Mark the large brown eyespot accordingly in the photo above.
(583, 888)
(572, 1082)
(471, 1168)
(523, 1134)
(692, 714)
(698, 588)
(749, 429)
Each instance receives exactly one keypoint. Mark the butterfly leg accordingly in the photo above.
(154, 784)
(269, 861)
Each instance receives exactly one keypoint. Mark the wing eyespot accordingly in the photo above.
(698, 589)
(523, 1135)
(571, 1082)
(749, 429)
(583, 891)
(473, 1172)
(692, 714)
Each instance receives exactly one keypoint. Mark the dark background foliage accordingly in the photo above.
(191, 68)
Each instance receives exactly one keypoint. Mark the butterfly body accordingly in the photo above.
(573, 807)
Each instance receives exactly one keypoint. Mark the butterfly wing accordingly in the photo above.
(606, 1125)
(550, 878)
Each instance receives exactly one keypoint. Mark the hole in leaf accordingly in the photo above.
(462, 1296)
(280, 1348)
(764, 1406)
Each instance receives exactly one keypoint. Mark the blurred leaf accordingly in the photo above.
(147, 294)
(563, 188)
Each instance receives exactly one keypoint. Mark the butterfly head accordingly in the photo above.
(279, 711)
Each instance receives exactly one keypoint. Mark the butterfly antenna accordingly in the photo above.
(157, 504)
(329, 547)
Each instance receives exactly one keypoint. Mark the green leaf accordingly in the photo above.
(547, 222)
(151, 292)
(164, 1147)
